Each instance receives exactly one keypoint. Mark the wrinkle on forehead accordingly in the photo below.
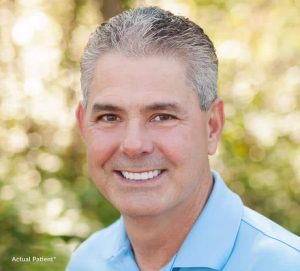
(140, 81)
(116, 64)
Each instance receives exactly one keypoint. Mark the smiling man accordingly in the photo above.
(150, 118)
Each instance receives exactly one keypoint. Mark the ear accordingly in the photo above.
(215, 125)
(80, 116)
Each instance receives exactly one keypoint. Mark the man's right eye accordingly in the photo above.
(108, 118)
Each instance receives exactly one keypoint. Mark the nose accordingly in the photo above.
(136, 141)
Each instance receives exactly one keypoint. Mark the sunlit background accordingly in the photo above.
(47, 203)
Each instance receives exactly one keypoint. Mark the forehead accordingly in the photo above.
(121, 79)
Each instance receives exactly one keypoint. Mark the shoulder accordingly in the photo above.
(270, 230)
(93, 252)
(264, 245)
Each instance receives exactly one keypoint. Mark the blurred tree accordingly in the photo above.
(48, 204)
(111, 8)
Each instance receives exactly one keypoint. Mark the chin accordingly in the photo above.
(138, 209)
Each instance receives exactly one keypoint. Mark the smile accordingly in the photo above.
(147, 175)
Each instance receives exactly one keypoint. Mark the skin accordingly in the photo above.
(142, 115)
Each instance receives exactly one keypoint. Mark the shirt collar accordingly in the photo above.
(212, 237)
(119, 242)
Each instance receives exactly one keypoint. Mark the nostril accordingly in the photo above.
(133, 151)
(135, 148)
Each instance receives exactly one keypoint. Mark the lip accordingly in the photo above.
(138, 171)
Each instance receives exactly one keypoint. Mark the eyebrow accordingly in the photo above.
(164, 106)
(105, 107)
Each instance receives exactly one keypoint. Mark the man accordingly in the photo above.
(149, 119)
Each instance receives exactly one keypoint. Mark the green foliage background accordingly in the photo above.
(47, 203)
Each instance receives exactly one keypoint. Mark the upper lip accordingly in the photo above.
(138, 171)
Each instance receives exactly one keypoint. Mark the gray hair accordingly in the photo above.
(147, 31)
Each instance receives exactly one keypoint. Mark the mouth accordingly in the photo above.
(140, 176)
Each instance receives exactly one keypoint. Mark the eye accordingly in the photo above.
(108, 118)
(163, 117)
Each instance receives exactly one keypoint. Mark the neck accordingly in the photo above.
(156, 239)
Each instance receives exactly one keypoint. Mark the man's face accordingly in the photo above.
(147, 139)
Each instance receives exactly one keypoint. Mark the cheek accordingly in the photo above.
(182, 144)
(101, 146)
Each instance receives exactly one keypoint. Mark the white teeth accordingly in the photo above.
(140, 176)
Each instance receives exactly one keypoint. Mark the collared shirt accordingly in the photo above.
(226, 236)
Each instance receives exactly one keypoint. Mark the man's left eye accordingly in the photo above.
(163, 117)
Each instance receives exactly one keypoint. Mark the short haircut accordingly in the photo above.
(147, 31)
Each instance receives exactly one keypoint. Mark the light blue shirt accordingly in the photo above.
(226, 236)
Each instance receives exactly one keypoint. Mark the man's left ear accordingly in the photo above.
(80, 113)
(215, 125)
